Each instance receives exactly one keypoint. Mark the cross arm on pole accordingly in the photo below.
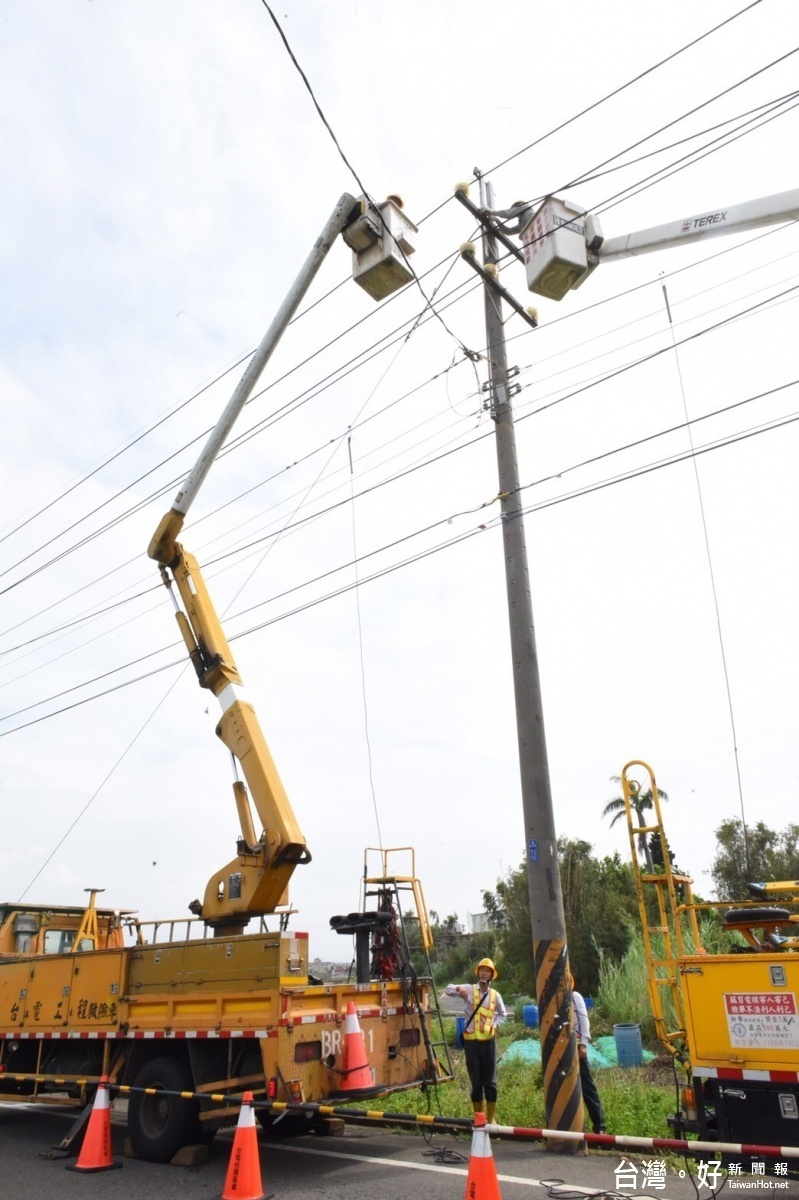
(487, 221)
(489, 278)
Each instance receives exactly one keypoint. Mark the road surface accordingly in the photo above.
(365, 1164)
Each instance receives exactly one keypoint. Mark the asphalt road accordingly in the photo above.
(363, 1165)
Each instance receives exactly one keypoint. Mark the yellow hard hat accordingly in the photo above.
(486, 962)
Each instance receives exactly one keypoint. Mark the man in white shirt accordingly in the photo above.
(590, 1094)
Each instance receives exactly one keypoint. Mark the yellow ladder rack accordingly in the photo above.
(668, 915)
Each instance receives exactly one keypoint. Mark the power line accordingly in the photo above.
(697, 108)
(290, 406)
(541, 379)
(217, 378)
(636, 79)
(97, 790)
(677, 165)
(234, 444)
(750, 112)
(592, 460)
(713, 588)
(213, 512)
(730, 249)
(128, 446)
(353, 172)
(418, 557)
(498, 166)
(303, 398)
(692, 159)
(603, 206)
(568, 395)
(664, 350)
(632, 473)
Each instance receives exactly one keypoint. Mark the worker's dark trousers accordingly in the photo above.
(481, 1063)
(591, 1097)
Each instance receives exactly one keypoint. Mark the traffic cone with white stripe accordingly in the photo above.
(243, 1179)
(481, 1181)
(356, 1074)
(95, 1152)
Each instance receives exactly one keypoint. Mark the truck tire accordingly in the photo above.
(160, 1125)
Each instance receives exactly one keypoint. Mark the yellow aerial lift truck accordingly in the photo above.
(198, 1005)
(729, 1020)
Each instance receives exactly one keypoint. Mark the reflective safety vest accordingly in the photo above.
(481, 1027)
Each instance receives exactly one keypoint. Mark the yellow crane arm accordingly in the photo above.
(256, 880)
(762, 891)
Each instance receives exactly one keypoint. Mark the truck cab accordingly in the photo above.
(27, 930)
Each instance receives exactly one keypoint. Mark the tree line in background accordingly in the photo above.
(600, 905)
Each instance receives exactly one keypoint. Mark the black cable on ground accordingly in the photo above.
(443, 1154)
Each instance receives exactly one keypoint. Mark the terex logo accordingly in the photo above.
(699, 222)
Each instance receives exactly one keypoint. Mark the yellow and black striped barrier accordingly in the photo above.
(601, 1141)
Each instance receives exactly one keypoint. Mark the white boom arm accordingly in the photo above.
(255, 882)
(563, 243)
(162, 546)
(768, 210)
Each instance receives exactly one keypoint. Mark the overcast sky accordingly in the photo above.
(166, 175)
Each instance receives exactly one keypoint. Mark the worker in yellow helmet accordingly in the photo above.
(484, 1010)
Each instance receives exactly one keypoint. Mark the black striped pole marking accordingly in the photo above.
(563, 1095)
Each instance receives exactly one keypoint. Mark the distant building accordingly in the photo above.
(480, 923)
(329, 972)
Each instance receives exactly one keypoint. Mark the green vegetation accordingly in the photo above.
(637, 1101)
(623, 996)
(642, 802)
(607, 957)
(767, 856)
(599, 905)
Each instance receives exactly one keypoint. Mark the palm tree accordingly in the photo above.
(642, 802)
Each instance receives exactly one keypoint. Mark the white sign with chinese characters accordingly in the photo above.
(763, 1020)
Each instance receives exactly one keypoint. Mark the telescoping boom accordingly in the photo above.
(255, 882)
(563, 243)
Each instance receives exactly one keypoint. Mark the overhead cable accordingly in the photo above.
(633, 472)
(456, 539)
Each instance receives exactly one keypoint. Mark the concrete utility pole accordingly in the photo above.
(562, 1090)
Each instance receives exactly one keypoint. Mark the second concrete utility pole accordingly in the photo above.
(562, 1090)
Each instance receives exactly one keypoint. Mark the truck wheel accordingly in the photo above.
(160, 1125)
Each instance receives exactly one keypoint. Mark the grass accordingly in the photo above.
(623, 995)
(636, 1101)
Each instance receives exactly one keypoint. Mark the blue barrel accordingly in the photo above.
(530, 1015)
(460, 1025)
(629, 1051)
(589, 1002)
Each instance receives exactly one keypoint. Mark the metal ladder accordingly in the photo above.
(390, 887)
(675, 931)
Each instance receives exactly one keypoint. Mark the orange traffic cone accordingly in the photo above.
(481, 1181)
(95, 1153)
(243, 1179)
(356, 1073)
